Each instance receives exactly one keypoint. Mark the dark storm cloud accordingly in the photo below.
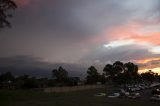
(27, 64)
(20, 65)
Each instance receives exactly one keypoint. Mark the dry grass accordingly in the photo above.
(77, 98)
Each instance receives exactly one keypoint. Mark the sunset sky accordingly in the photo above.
(85, 32)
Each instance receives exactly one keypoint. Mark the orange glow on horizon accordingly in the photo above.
(156, 70)
(147, 60)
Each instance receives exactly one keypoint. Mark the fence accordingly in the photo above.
(74, 88)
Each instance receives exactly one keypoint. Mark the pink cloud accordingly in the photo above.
(152, 38)
(22, 3)
(133, 30)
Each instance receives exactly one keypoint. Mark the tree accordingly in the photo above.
(113, 70)
(61, 75)
(149, 76)
(5, 6)
(131, 71)
(31, 83)
(118, 63)
(131, 67)
(73, 81)
(6, 77)
(118, 68)
(93, 75)
(102, 78)
(26, 82)
(108, 70)
(121, 73)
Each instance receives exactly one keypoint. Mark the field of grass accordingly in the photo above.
(78, 98)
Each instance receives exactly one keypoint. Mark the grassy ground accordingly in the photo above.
(80, 98)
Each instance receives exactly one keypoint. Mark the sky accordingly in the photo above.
(84, 32)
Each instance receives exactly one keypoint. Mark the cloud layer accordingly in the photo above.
(29, 65)
(79, 31)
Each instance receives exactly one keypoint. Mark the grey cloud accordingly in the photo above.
(54, 29)
(124, 53)
(27, 64)
(78, 19)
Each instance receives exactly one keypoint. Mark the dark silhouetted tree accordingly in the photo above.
(121, 73)
(61, 75)
(102, 78)
(117, 68)
(26, 82)
(114, 70)
(5, 6)
(6, 77)
(108, 70)
(31, 83)
(92, 75)
(131, 67)
(149, 76)
(73, 81)
(131, 71)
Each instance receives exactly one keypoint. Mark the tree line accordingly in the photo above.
(118, 73)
